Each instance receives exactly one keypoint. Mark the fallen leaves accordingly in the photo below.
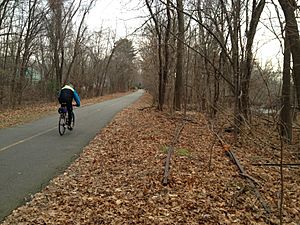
(117, 179)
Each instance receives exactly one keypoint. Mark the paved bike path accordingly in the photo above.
(34, 153)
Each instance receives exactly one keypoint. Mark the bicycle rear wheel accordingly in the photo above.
(62, 124)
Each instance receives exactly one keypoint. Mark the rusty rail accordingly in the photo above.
(243, 173)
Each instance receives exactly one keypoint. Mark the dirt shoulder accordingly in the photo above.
(118, 179)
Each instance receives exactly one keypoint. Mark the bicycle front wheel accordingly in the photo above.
(62, 124)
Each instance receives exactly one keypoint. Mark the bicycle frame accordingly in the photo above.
(63, 120)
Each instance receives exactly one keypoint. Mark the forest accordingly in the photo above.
(47, 43)
(190, 55)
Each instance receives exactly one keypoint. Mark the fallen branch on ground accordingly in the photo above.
(148, 107)
(275, 164)
(249, 178)
(170, 151)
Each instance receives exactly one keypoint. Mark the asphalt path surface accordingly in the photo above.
(32, 154)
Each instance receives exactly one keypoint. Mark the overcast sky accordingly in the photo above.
(124, 16)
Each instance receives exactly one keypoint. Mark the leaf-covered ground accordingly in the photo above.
(118, 178)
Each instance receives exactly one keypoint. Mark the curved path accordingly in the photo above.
(34, 153)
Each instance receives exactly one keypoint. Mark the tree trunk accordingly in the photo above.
(161, 96)
(247, 66)
(80, 33)
(57, 40)
(100, 91)
(236, 68)
(288, 7)
(285, 114)
(166, 50)
(180, 57)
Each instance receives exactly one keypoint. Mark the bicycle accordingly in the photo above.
(63, 119)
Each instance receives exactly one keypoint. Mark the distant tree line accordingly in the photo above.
(44, 44)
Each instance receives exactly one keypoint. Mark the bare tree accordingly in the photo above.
(80, 34)
(29, 25)
(257, 9)
(4, 10)
(180, 57)
(57, 38)
(160, 56)
(166, 66)
(285, 114)
(26, 44)
(105, 70)
(292, 34)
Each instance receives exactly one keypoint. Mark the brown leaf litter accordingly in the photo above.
(118, 179)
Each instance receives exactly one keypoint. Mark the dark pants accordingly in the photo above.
(70, 110)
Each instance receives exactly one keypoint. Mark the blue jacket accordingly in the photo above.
(75, 94)
(76, 98)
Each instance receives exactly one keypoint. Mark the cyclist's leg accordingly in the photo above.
(70, 110)
(61, 108)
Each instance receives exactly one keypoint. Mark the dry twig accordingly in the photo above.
(170, 151)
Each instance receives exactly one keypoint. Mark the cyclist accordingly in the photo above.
(65, 97)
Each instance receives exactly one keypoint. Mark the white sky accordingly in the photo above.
(267, 45)
(122, 16)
